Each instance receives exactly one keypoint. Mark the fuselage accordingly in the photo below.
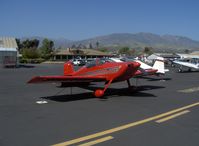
(116, 71)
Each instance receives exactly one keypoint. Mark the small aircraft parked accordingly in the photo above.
(99, 70)
(158, 66)
(145, 69)
(190, 64)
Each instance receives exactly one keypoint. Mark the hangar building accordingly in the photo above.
(69, 53)
(8, 52)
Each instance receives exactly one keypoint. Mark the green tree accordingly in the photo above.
(29, 48)
(103, 49)
(148, 50)
(124, 50)
(34, 43)
(132, 52)
(47, 48)
(30, 53)
(18, 41)
(29, 43)
(26, 43)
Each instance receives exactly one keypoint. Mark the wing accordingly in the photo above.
(143, 65)
(186, 64)
(68, 79)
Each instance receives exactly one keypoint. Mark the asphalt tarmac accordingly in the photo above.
(163, 111)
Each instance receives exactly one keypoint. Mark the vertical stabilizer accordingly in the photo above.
(159, 65)
(68, 68)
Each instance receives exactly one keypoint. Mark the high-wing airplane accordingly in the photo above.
(190, 64)
(100, 70)
(145, 69)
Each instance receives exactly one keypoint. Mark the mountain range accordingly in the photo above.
(138, 40)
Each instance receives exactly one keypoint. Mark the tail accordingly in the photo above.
(68, 68)
(159, 65)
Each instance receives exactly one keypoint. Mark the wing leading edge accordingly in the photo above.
(55, 79)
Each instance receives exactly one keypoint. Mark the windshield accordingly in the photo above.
(195, 60)
(97, 61)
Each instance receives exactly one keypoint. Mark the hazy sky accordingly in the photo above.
(81, 19)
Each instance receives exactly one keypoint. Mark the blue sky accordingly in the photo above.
(81, 19)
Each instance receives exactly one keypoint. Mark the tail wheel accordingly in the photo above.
(99, 93)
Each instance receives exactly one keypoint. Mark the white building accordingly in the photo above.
(191, 55)
(8, 52)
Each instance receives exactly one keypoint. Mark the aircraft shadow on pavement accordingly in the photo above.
(19, 66)
(155, 79)
(69, 97)
(135, 92)
(25, 66)
(110, 93)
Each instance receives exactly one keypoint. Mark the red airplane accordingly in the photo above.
(100, 70)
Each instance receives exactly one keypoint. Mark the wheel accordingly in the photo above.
(99, 93)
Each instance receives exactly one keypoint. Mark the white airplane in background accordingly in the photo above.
(146, 69)
(158, 65)
(190, 64)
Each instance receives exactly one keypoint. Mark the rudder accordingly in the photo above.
(159, 65)
(68, 68)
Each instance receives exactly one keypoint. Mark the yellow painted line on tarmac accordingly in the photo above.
(189, 90)
(172, 116)
(97, 141)
(123, 127)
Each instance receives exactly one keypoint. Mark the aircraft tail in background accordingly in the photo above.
(159, 65)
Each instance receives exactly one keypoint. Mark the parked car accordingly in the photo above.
(79, 62)
(76, 62)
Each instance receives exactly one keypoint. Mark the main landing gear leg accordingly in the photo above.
(99, 93)
(129, 85)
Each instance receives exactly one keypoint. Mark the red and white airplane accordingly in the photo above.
(145, 69)
(100, 70)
